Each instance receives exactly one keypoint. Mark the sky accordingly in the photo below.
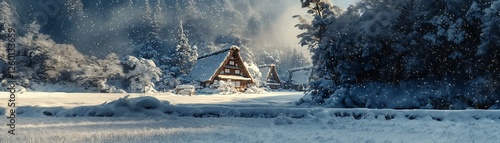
(344, 3)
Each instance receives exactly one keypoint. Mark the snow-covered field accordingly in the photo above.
(270, 117)
(69, 100)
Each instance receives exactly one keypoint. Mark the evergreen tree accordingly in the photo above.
(316, 32)
(489, 49)
(490, 35)
(448, 42)
(185, 55)
(153, 44)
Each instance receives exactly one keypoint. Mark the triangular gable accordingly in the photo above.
(272, 75)
(234, 54)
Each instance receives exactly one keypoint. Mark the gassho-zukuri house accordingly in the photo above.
(224, 65)
(270, 76)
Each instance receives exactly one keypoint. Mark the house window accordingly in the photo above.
(236, 83)
(231, 63)
(237, 71)
(227, 70)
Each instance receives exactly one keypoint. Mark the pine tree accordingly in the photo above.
(8, 18)
(490, 35)
(323, 12)
(489, 49)
(185, 55)
(152, 45)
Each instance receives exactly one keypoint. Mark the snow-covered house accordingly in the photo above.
(223, 65)
(271, 77)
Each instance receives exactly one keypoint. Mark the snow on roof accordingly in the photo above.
(206, 66)
(214, 53)
(300, 68)
(234, 77)
(273, 84)
(266, 65)
(219, 51)
(251, 68)
(301, 76)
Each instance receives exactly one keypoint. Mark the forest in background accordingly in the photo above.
(376, 54)
(136, 45)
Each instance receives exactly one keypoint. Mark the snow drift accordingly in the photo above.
(150, 106)
(123, 107)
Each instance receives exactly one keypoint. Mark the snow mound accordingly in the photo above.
(282, 120)
(123, 107)
(233, 112)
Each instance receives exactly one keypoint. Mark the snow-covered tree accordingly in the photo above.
(98, 71)
(152, 45)
(8, 17)
(74, 8)
(395, 42)
(322, 11)
(185, 55)
(490, 35)
(324, 16)
(140, 74)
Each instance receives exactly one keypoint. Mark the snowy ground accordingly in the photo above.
(308, 124)
(69, 100)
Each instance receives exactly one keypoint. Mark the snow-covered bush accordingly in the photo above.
(233, 112)
(99, 71)
(253, 89)
(41, 59)
(224, 87)
(140, 74)
(415, 94)
(282, 120)
(168, 82)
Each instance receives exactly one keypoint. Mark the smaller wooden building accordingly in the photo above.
(273, 80)
(224, 65)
